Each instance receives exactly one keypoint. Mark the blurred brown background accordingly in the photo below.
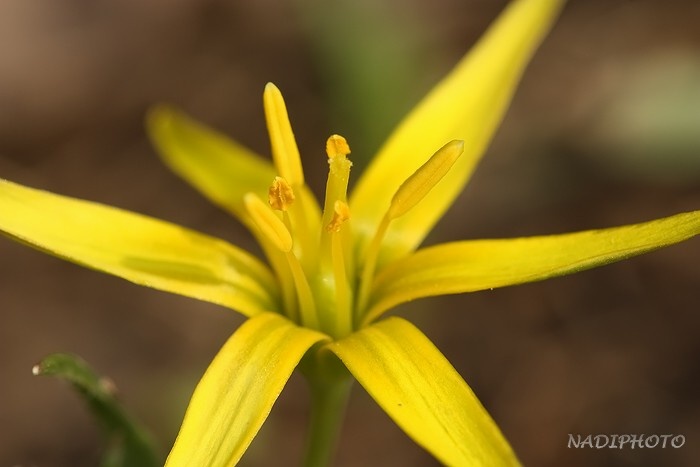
(605, 130)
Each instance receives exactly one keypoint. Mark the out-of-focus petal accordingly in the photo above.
(221, 169)
(137, 248)
(466, 105)
(419, 389)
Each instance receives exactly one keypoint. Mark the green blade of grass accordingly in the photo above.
(127, 444)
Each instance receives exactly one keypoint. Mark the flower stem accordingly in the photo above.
(328, 402)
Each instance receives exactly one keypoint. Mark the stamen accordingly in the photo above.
(273, 229)
(336, 146)
(408, 195)
(336, 190)
(280, 197)
(302, 218)
(419, 184)
(332, 282)
(343, 296)
(285, 152)
(341, 213)
(267, 221)
(370, 264)
(338, 175)
(280, 194)
(279, 263)
(307, 304)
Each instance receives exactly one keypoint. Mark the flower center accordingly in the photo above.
(312, 253)
(323, 291)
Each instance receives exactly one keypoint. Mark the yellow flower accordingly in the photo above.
(335, 269)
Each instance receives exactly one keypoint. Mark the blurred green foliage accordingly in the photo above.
(368, 53)
(127, 444)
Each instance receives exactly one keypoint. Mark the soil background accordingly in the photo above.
(609, 351)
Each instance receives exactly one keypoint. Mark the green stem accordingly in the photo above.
(328, 403)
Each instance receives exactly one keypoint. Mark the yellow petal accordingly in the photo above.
(221, 169)
(237, 392)
(466, 105)
(419, 389)
(137, 248)
(468, 266)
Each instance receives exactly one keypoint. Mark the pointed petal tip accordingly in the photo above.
(159, 115)
(468, 103)
(271, 87)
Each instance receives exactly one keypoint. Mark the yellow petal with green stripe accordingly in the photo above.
(468, 266)
(137, 248)
(467, 105)
(237, 392)
(221, 169)
(419, 389)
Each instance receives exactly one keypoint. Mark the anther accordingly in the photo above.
(336, 146)
(267, 221)
(280, 194)
(417, 186)
(338, 174)
(341, 213)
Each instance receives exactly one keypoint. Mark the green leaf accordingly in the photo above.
(419, 389)
(472, 265)
(128, 445)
